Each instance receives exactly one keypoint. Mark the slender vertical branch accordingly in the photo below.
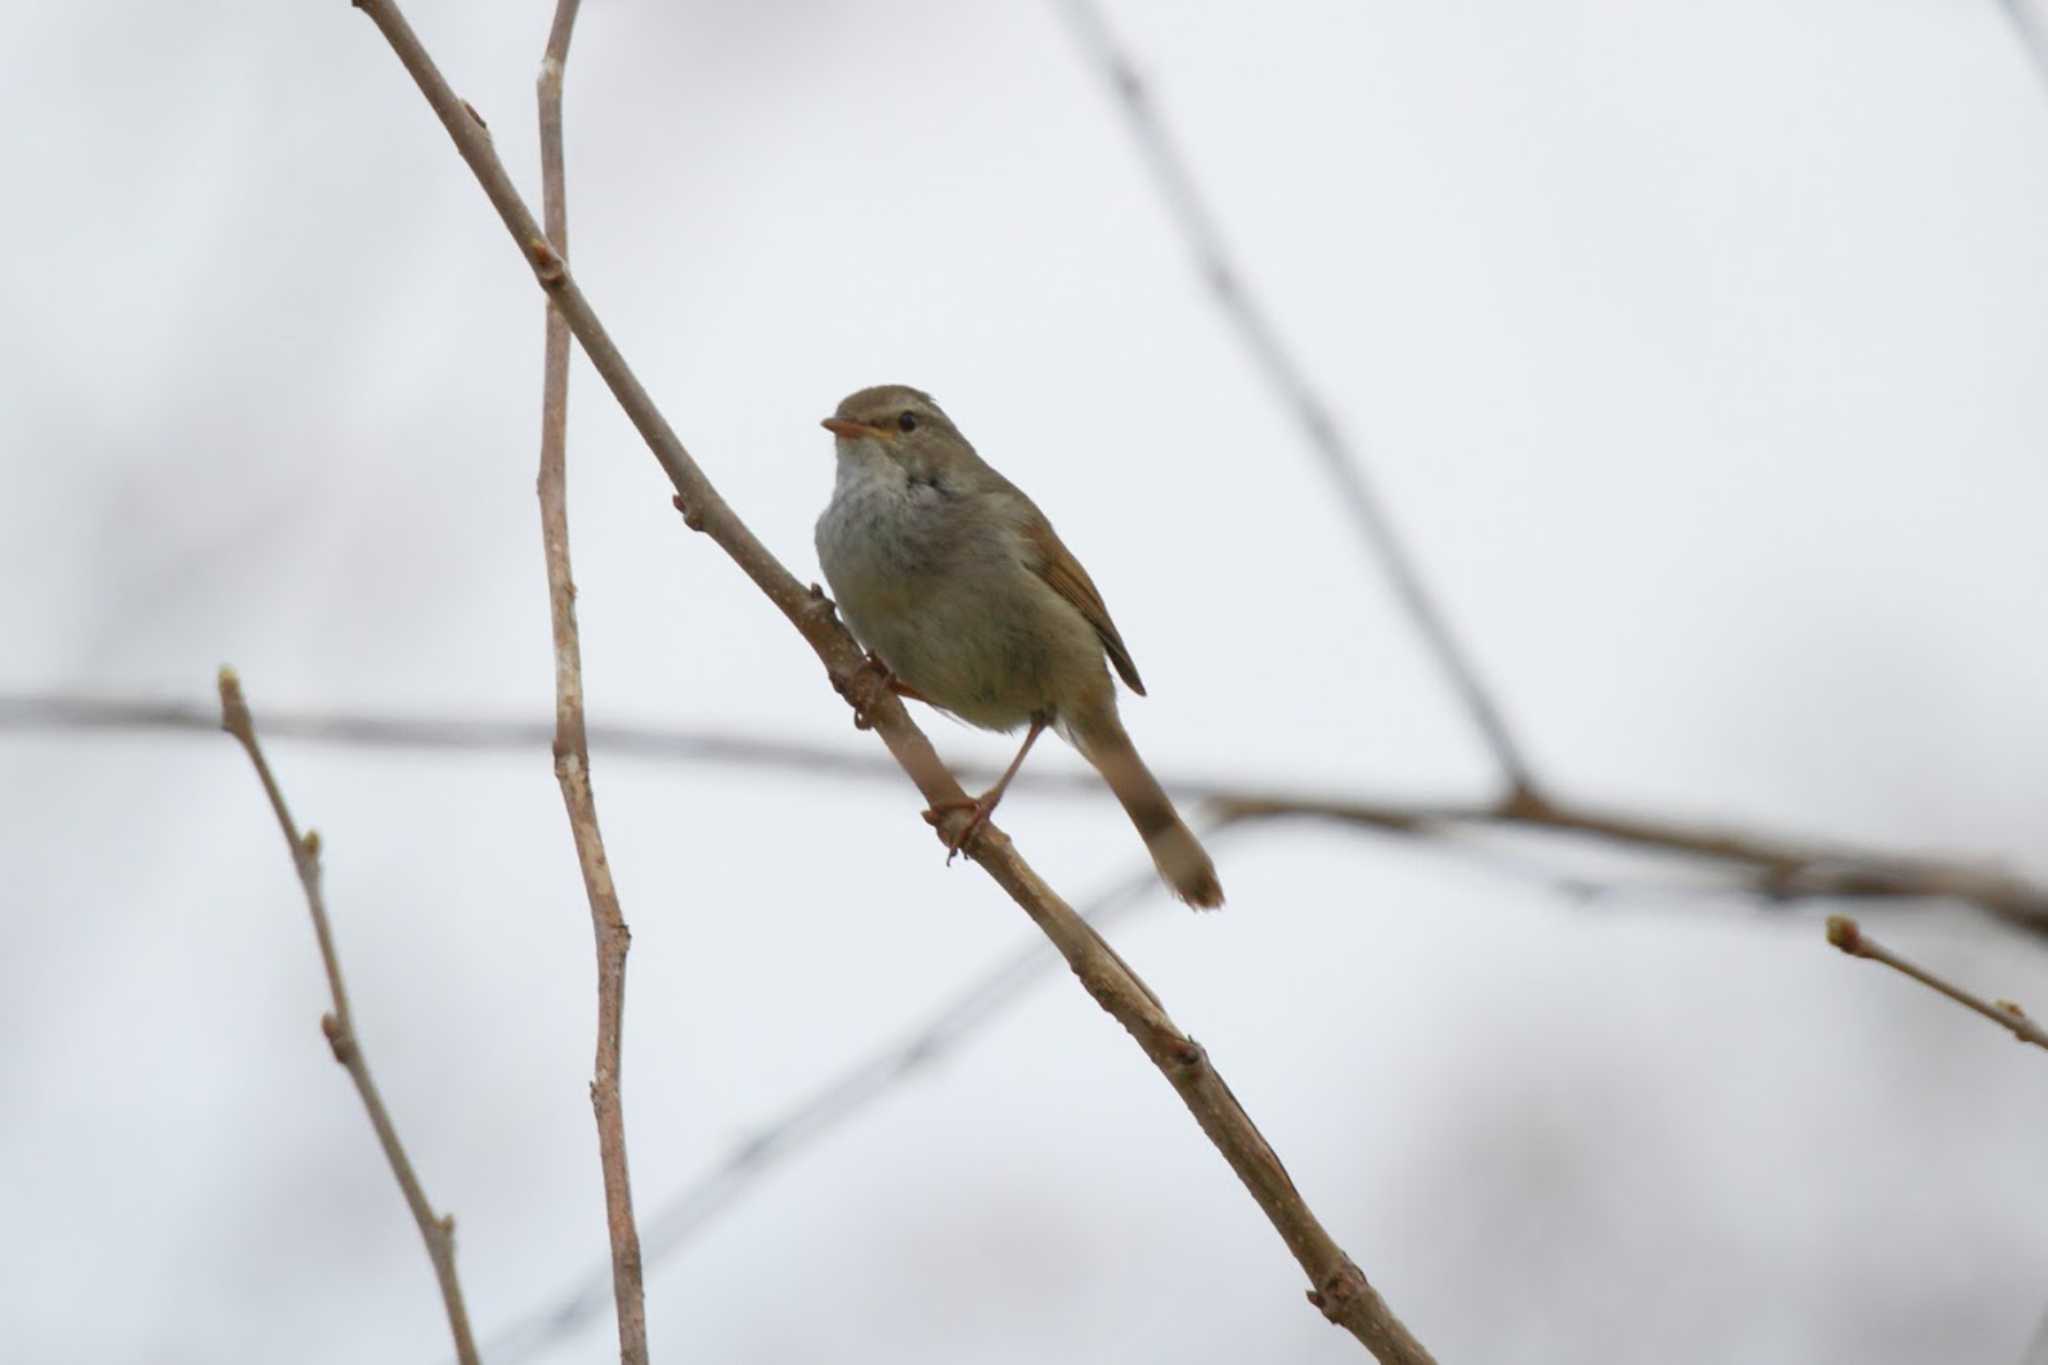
(572, 746)
(1847, 935)
(339, 1024)
(1339, 1288)
(1283, 372)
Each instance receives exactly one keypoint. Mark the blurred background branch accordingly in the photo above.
(339, 1025)
(572, 750)
(1770, 864)
(1251, 322)
(1775, 866)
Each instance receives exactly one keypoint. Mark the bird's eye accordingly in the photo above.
(907, 422)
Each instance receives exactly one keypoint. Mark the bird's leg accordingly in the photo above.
(984, 805)
(866, 684)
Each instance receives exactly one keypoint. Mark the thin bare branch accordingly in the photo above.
(1770, 864)
(1847, 935)
(824, 1111)
(339, 1024)
(1338, 1286)
(1229, 286)
(572, 748)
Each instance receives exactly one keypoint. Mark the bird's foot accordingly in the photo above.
(865, 686)
(982, 806)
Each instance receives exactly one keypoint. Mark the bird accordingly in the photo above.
(964, 597)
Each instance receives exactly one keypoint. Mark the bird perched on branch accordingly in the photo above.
(965, 598)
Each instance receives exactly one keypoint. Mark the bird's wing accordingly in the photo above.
(1064, 575)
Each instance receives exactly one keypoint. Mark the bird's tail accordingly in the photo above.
(1180, 857)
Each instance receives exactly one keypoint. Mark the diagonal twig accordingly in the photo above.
(339, 1024)
(572, 747)
(1283, 372)
(1847, 935)
(1339, 1288)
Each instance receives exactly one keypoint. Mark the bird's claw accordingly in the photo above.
(956, 844)
(865, 686)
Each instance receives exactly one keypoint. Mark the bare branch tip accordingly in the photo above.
(234, 707)
(1844, 934)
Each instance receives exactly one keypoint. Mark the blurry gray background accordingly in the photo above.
(1696, 348)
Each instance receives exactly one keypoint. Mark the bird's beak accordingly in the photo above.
(852, 431)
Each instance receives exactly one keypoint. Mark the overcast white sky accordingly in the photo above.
(1698, 350)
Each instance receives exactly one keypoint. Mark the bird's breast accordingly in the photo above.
(920, 575)
(884, 534)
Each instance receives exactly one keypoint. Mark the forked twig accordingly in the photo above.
(339, 1024)
(1775, 866)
